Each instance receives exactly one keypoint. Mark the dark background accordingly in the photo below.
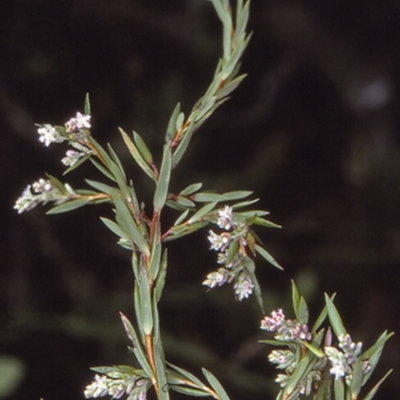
(313, 131)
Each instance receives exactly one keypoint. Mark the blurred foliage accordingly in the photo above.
(313, 131)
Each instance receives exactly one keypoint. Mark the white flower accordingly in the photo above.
(216, 278)
(243, 289)
(81, 121)
(225, 218)
(218, 242)
(338, 361)
(72, 157)
(48, 134)
(98, 388)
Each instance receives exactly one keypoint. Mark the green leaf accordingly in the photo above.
(179, 121)
(57, 184)
(68, 206)
(236, 195)
(137, 347)
(117, 161)
(155, 259)
(160, 281)
(202, 212)
(77, 164)
(102, 187)
(264, 222)
(186, 376)
(248, 203)
(334, 317)
(242, 17)
(206, 197)
(146, 309)
(230, 86)
(161, 192)
(317, 352)
(184, 202)
(171, 129)
(194, 187)
(128, 223)
(86, 108)
(356, 380)
(338, 386)
(135, 153)
(189, 391)
(302, 312)
(181, 218)
(296, 377)
(295, 299)
(373, 391)
(102, 169)
(227, 34)
(213, 381)
(322, 316)
(115, 228)
(264, 253)
(143, 149)
(184, 143)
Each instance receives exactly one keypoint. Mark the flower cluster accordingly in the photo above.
(41, 191)
(291, 331)
(341, 361)
(234, 268)
(76, 132)
(286, 329)
(117, 384)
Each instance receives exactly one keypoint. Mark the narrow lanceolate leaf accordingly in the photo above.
(184, 143)
(227, 35)
(102, 187)
(193, 188)
(146, 309)
(137, 156)
(339, 389)
(128, 223)
(264, 253)
(155, 259)
(69, 206)
(160, 281)
(264, 222)
(102, 169)
(137, 347)
(143, 149)
(181, 218)
(313, 349)
(57, 184)
(334, 317)
(117, 161)
(202, 212)
(236, 195)
(251, 269)
(185, 377)
(295, 299)
(86, 108)
(302, 312)
(160, 195)
(373, 391)
(77, 164)
(115, 228)
(214, 383)
(242, 18)
(356, 380)
(296, 377)
(229, 87)
(205, 197)
(171, 129)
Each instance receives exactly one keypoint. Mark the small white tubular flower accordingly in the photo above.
(43, 192)
(225, 218)
(81, 121)
(216, 278)
(218, 242)
(48, 134)
(243, 288)
(26, 201)
(72, 157)
(274, 322)
(282, 358)
(98, 388)
(338, 361)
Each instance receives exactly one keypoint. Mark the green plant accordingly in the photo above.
(311, 365)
